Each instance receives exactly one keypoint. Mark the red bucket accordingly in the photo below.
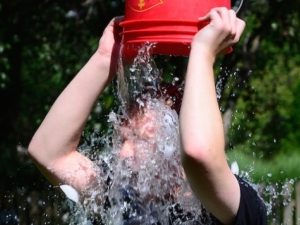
(170, 24)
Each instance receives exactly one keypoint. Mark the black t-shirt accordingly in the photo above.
(252, 209)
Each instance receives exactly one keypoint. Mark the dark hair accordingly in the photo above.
(170, 93)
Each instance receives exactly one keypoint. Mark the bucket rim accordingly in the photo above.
(168, 40)
(157, 32)
(191, 22)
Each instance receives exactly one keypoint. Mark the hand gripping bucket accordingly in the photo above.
(170, 24)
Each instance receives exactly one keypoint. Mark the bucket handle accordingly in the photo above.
(240, 6)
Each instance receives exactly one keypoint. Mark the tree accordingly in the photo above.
(258, 80)
(42, 45)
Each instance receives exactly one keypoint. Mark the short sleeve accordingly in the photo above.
(252, 209)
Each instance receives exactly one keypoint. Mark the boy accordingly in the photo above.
(228, 198)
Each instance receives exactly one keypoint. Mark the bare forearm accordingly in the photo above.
(61, 129)
(201, 127)
(200, 119)
(202, 139)
(54, 145)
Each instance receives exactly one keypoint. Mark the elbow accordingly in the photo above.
(196, 152)
(37, 152)
(34, 148)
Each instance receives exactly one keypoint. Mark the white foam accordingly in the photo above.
(70, 192)
(235, 168)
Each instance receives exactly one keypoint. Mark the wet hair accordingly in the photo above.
(171, 94)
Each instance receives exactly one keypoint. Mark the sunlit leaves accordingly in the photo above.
(266, 102)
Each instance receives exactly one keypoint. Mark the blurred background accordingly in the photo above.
(44, 43)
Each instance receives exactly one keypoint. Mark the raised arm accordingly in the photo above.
(54, 145)
(201, 127)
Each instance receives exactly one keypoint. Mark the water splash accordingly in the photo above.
(141, 179)
(148, 186)
(139, 77)
(277, 196)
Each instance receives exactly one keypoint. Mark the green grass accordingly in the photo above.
(281, 168)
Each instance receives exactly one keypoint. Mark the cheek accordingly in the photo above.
(126, 132)
(127, 150)
(148, 126)
(149, 130)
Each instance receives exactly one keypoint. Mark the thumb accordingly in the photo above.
(206, 18)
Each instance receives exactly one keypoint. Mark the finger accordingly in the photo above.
(116, 24)
(118, 19)
(240, 26)
(205, 18)
(233, 22)
(227, 23)
(212, 17)
(225, 16)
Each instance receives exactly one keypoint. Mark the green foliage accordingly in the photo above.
(282, 168)
(263, 82)
(291, 140)
(260, 117)
(43, 44)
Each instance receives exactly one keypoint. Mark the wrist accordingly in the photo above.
(203, 52)
(99, 65)
(110, 58)
(102, 56)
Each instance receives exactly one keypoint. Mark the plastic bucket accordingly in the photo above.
(170, 24)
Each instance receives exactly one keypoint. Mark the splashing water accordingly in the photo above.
(141, 180)
(144, 182)
(140, 174)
